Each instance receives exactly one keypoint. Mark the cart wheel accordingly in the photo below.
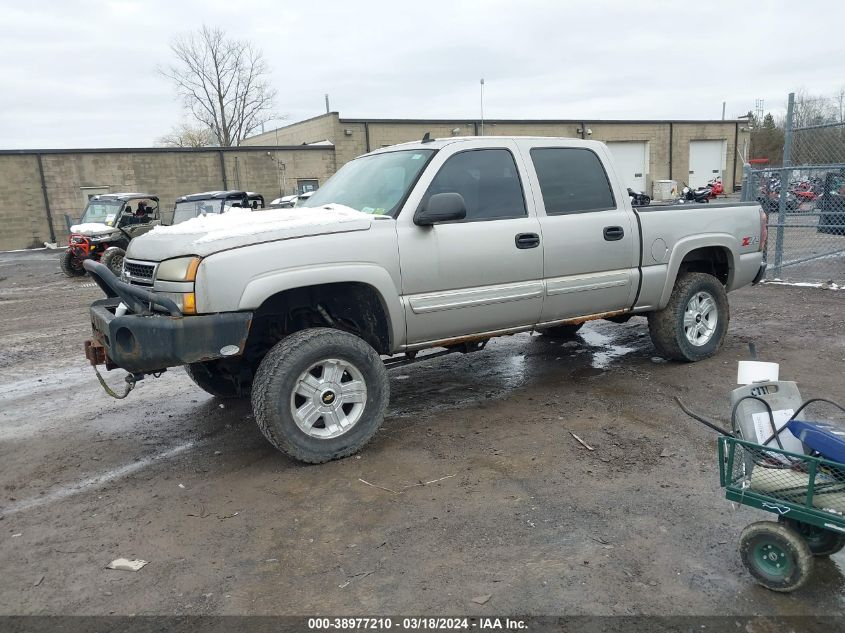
(776, 555)
(820, 541)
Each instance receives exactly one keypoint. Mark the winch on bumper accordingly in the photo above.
(148, 341)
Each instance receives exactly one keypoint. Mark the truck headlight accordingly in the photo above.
(179, 269)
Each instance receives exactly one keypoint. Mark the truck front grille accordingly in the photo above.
(138, 273)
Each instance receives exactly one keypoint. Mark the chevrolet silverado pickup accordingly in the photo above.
(435, 244)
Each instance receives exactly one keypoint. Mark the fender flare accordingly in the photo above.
(685, 246)
(259, 289)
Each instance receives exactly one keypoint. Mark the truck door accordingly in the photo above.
(480, 274)
(591, 244)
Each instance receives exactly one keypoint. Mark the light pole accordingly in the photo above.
(482, 106)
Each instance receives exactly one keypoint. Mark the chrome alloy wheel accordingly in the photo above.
(701, 318)
(328, 398)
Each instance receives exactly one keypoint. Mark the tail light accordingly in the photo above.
(764, 229)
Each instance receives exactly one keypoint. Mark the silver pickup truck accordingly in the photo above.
(434, 244)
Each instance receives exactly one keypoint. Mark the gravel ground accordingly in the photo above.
(517, 510)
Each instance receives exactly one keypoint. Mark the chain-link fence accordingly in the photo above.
(805, 196)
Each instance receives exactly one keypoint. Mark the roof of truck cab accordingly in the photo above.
(439, 143)
(213, 195)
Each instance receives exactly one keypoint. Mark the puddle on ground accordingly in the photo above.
(608, 352)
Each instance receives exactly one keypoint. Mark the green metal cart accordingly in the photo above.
(806, 493)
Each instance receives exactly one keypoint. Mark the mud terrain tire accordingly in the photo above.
(669, 330)
(113, 260)
(70, 265)
(322, 363)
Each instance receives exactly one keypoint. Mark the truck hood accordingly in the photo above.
(92, 229)
(209, 234)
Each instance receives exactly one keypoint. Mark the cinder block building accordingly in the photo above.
(691, 152)
(39, 188)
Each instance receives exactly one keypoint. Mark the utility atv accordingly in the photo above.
(109, 222)
(213, 203)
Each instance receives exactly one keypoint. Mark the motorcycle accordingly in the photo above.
(804, 191)
(638, 198)
(699, 195)
(769, 197)
(716, 187)
(771, 202)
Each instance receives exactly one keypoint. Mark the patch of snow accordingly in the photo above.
(27, 250)
(243, 223)
(91, 228)
(828, 285)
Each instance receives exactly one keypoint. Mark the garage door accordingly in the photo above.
(631, 159)
(706, 161)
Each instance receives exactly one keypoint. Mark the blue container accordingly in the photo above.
(827, 438)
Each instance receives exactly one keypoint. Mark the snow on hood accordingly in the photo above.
(92, 228)
(207, 234)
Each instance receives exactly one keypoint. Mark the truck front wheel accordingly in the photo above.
(693, 324)
(320, 394)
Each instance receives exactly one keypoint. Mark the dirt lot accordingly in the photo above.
(521, 510)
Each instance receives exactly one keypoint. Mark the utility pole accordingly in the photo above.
(482, 106)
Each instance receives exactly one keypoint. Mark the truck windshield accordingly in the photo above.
(102, 211)
(373, 184)
(193, 208)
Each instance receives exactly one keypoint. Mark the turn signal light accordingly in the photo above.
(189, 304)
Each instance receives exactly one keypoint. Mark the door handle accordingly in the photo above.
(527, 240)
(613, 233)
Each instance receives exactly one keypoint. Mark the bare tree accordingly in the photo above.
(186, 135)
(813, 110)
(223, 83)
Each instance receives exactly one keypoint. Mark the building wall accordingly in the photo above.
(275, 161)
(23, 218)
(656, 134)
(167, 173)
(355, 137)
(319, 128)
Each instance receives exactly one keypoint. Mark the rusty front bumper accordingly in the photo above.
(147, 344)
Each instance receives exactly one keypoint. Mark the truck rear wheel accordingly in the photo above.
(213, 379)
(693, 324)
(320, 394)
(71, 265)
(113, 259)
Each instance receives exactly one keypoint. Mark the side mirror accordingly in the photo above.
(441, 207)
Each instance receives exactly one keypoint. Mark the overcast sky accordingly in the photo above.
(81, 73)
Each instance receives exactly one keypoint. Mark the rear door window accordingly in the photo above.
(572, 180)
